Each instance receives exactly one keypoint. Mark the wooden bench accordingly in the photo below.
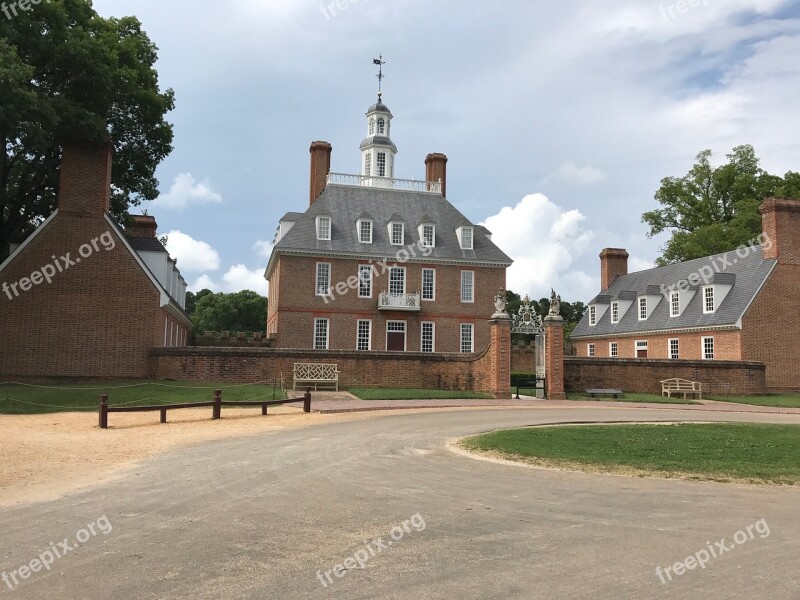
(615, 393)
(316, 375)
(681, 386)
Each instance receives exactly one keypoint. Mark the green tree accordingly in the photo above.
(715, 209)
(242, 311)
(67, 74)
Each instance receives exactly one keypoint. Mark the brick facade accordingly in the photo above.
(727, 345)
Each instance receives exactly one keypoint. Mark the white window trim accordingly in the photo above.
(321, 218)
(423, 285)
(641, 300)
(592, 316)
(703, 347)
(669, 348)
(433, 336)
(405, 278)
(672, 312)
(402, 230)
(713, 300)
(422, 235)
(461, 338)
(472, 301)
(358, 330)
(615, 309)
(316, 280)
(359, 223)
(327, 335)
(611, 353)
(405, 334)
(371, 282)
(461, 237)
(641, 345)
(591, 350)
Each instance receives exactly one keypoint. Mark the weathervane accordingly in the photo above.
(380, 62)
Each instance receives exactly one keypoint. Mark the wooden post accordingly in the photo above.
(264, 409)
(307, 401)
(163, 415)
(104, 411)
(217, 410)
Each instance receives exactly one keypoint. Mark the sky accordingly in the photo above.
(559, 119)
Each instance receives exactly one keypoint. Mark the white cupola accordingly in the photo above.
(378, 150)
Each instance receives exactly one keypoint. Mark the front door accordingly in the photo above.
(396, 336)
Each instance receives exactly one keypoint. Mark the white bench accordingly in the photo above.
(316, 375)
(681, 386)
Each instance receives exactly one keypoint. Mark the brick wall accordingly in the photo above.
(293, 317)
(378, 369)
(97, 318)
(735, 378)
(727, 345)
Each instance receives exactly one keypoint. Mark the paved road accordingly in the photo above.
(259, 517)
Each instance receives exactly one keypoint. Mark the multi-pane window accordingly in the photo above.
(365, 281)
(323, 228)
(428, 236)
(365, 232)
(674, 349)
(397, 281)
(381, 164)
(428, 284)
(615, 312)
(428, 337)
(592, 315)
(398, 234)
(381, 126)
(641, 349)
(466, 238)
(323, 286)
(368, 164)
(364, 335)
(468, 286)
(467, 338)
(372, 126)
(674, 304)
(321, 334)
(643, 309)
(613, 349)
(708, 348)
(708, 300)
(590, 350)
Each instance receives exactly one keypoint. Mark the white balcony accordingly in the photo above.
(407, 302)
(403, 185)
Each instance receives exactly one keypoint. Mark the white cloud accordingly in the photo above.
(187, 190)
(545, 241)
(204, 282)
(263, 248)
(239, 278)
(636, 264)
(572, 173)
(193, 256)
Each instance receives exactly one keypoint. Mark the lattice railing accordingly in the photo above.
(316, 372)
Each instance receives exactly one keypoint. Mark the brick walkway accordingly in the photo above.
(343, 402)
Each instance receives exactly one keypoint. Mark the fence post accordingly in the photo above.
(104, 411)
(217, 413)
(307, 401)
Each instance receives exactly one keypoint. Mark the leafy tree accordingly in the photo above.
(715, 209)
(242, 311)
(67, 74)
(192, 299)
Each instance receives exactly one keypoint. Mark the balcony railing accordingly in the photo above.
(406, 185)
(387, 301)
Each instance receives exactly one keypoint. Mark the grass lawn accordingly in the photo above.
(652, 398)
(18, 399)
(781, 400)
(413, 394)
(721, 452)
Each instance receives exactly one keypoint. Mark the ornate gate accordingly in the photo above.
(527, 322)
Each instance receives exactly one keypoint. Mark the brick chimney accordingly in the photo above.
(141, 226)
(85, 180)
(781, 223)
(613, 264)
(436, 169)
(320, 167)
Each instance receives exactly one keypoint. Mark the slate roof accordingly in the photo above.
(141, 244)
(344, 204)
(747, 275)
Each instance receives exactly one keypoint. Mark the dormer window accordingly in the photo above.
(381, 126)
(615, 312)
(592, 316)
(708, 300)
(427, 235)
(365, 231)
(643, 309)
(397, 233)
(675, 304)
(465, 237)
(323, 228)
